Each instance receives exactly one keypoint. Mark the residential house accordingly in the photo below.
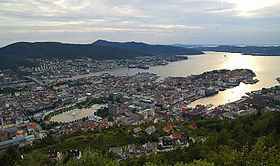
(74, 154)
(55, 155)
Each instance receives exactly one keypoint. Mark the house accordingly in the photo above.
(176, 135)
(55, 155)
(168, 128)
(136, 131)
(179, 128)
(183, 140)
(31, 127)
(150, 146)
(203, 140)
(118, 151)
(20, 133)
(132, 148)
(192, 140)
(74, 154)
(150, 129)
(193, 125)
(167, 143)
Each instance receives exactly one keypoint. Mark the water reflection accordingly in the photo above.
(267, 68)
(236, 61)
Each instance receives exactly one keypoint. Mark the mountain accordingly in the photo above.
(65, 51)
(17, 54)
(149, 49)
(248, 50)
(193, 45)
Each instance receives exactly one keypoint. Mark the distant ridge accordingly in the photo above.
(17, 54)
(149, 49)
(65, 51)
(248, 50)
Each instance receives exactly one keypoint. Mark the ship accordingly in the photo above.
(106, 75)
(164, 63)
(250, 81)
(132, 66)
(278, 79)
(143, 67)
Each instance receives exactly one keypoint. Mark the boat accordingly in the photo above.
(106, 75)
(164, 63)
(132, 66)
(250, 81)
(143, 67)
(278, 79)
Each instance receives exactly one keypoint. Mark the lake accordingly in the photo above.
(76, 114)
(267, 68)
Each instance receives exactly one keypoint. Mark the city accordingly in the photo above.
(139, 83)
(130, 100)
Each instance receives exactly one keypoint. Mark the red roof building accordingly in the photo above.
(193, 126)
(176, 135)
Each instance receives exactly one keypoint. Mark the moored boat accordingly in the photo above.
(164, 63)
(143, 67)
(132, 66)
(278, 79)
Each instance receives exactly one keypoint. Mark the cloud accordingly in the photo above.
(172, 26)
(165, 18)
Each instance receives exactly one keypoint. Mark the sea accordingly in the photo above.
(267, 68)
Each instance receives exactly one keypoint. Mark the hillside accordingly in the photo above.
(248, 50)
(17, 54)
(149, 49)
(248, 140)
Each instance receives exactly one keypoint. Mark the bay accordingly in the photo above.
(267, 68)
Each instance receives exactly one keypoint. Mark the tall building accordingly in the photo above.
(113, 109)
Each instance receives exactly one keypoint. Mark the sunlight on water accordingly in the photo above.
(267, 68)
(235, 61)
(235, 93)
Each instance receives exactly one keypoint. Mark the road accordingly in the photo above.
(35, 80)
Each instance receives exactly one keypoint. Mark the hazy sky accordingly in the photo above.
(152, 21)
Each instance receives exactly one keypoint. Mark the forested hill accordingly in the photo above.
(65, 51)
(150, 49)
(248, 140)
(17, 54)
(248, 50)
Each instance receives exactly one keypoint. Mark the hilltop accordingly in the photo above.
(247, 50)
(20, 54)
(150, 49)
(23, 51)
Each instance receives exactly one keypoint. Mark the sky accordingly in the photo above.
(249, 22)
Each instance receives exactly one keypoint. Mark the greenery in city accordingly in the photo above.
(248, 140)
(103, 112)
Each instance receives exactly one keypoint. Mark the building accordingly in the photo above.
(74, 154)
(55, 155)
(113, 109)
(150, 112)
